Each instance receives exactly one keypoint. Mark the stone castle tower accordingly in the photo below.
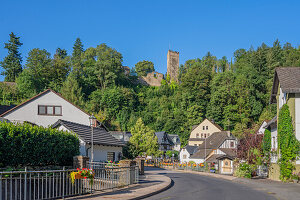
(173, 65)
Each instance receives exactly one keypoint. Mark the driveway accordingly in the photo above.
(193, 186)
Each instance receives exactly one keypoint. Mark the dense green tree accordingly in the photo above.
(196, 83)
(77, 57)
(72, 91)
(12, 62)
(144, 67)
(61, 67)
(38, 69)
(144, 139)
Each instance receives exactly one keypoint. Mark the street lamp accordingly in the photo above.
(92, 119)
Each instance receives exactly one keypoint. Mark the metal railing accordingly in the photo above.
(54, 184)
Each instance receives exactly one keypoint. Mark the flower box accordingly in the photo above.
(78, 176)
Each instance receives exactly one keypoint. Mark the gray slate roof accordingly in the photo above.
(4, 108)
(214, 140)
(191, 149)
(163, 138)
(289, 79)
(175, 138)
(202, 153)
(101, 136)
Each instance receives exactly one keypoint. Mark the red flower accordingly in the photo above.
(85, 177)
(78, 169)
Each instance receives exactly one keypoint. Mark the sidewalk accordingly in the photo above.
(149, 185)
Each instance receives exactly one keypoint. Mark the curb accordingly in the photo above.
(170, 184)
(225, 177)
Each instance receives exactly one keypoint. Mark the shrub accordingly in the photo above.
(267, 142)
(26, 145)
(244, 170)
(169, 153)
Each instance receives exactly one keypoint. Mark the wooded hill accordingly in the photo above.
(235, 94)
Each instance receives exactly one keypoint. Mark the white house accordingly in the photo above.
(45, 109)
(219, 149)
(106, 147)
(186, 152)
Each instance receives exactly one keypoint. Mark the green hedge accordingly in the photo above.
(26, 145)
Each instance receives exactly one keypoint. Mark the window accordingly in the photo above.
(206, 127)
(195, 144)
(208, 134)
(111, 156)
(201, 135)
(197, 135)
(203, 127)
(205, 135)
(232, 144)
(184, 156)
(49, 110)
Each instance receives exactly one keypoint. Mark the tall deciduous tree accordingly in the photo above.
(37, 73)
(144, 67)
(143, 139)
(12, 62)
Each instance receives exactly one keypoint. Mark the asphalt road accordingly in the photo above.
(192, 186)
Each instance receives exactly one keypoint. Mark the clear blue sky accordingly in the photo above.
(143, 30)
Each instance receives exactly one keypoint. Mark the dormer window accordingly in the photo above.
(203, 127)
(50, 110)
(206, 127)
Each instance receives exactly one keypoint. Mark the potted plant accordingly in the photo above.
(83, 174)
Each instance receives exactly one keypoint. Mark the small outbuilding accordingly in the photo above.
(106, 147)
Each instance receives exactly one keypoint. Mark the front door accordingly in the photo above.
(226, 166)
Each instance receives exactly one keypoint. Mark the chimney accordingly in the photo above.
(228, 133)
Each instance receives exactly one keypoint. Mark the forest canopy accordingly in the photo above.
(235, 93)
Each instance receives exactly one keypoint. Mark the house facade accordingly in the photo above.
(218, 150)
(176, 142)
(106, 147)
(45, 109)
(164, 141)
(186, 152)
(285, 90)
(202, 131)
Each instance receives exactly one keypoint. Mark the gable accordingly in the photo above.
(28, 111)
(206, 128)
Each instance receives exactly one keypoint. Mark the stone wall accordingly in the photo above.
(152, 79)
(173, 65)
(80, 162)
(274, 171)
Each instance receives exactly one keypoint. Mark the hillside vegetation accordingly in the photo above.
(235, 93)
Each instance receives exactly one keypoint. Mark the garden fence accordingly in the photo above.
(54, 184)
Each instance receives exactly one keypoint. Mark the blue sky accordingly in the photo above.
(144, 30)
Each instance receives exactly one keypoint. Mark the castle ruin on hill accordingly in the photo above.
(155, 78)
(173, 65)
